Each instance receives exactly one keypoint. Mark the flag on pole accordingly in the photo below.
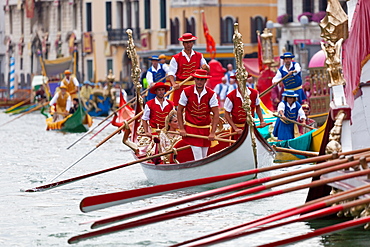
(12, 76)
(261, 66)
(211, 44)
(30, 6)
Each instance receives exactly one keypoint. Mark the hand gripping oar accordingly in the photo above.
(202, 137)
(295, 122)
(309, 206)
(99, 223)
(75, 179)
(97, 202)
(107, 200)
(100, 143)
(183, 212)
(273, 85)
(25, 113)
(180, 84)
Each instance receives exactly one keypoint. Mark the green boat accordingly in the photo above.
(77, 122)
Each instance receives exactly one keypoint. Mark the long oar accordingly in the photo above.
(99, 144)
(171, 215)
(16, 105)
(272, 86)
(97, 202)
(105, 126)
(229, 188)
(75, 179)
(180, 84)
(295, 122)
(325, 230)
(202, 137)
(294, 151)
(309, 206)
(107, 200)
(25, 113)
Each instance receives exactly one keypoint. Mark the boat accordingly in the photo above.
(248, 152)
(77, 122)
(20, 97)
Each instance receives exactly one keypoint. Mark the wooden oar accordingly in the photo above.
(117, 198)
(16, 105)
(175, 214)
(100, 130)
(75, 179)
(229, 188)
(292, 121)
(309, 206)
(294, 151)
(100, 143)
(180, 84)
(202, 137)
(273, 85)
(325, 230)
(25, 113)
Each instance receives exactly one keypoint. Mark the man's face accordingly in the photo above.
(188, 45)
(155, 63)
(287, 61)
(160, 92)
(200, 82)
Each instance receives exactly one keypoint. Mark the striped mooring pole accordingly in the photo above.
(11, 76)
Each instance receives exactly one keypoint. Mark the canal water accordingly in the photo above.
(30, 156)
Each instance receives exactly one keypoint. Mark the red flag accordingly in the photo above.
(30, 6)
(260, 64)
(211, 44)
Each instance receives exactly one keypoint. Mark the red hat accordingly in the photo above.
(67, 72)
(187, 37)
(201, 74)
(159, 85)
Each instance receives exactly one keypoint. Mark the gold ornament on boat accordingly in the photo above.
(335, 135)
(334, 29)
(267, 47)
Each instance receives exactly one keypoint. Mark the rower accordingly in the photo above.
(183, 64)
(235, 114)
(63, 102)
(291, 109)
(71, 82)
(157, 109)
(198, 101)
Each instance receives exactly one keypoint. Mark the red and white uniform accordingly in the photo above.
(156, 112)
(197, 113)
(181, 66)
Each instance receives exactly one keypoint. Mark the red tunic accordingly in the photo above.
(184, 69)
(238, 114)
(199, 115)
(157, 115)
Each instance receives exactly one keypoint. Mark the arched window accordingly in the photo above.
(227, 30)
(190, 26)
(175, 31)
(289, 9)
(322, 5)
(308, 6)
(257, 24)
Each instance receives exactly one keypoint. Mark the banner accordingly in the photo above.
(261, 66)
(57, 66)
(30, 7)
(211, 44)
(87, 43)
(71, 43)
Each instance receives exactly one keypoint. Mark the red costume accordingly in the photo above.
(197, 116)
(157, 115)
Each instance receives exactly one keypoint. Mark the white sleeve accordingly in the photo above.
(202, 61)
(297, 68)
(54, 99)
(281, 106)
(75, 81)
(149, 77)
(216, 89)
(172, 69)
(277, 77)
(68, 103)
(228, 105)
(213, 101)
(166, 68)
(258, 101)
(146, 114)
(301, 114)
(183, 99)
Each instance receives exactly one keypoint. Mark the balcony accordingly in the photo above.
(120, 36)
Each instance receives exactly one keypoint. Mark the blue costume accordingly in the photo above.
(285, 131)
(157, 75)
(293, 82)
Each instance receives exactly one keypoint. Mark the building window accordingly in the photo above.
(227, 30)
(90, 70)
(289, 9)
(190, 26)
(175, 31)
(59, 17)
(147, 14)
(257, 24)
(308, 6)
(22, 21)
(108, 15)
(88, 17)
(10, 20)
(119, 15)
(128, 14)
(163, 14)
(322, 5)
(109, 65)
(75, 16)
